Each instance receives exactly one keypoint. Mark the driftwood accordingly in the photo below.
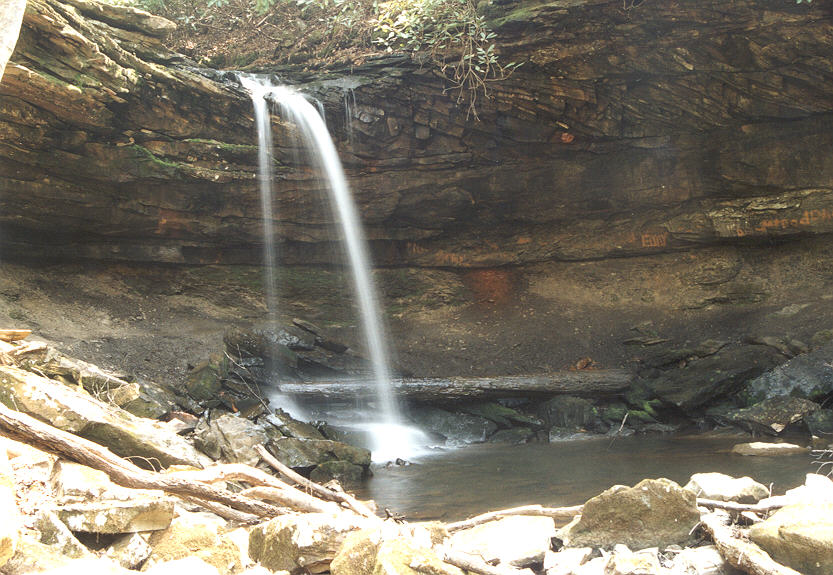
(535, 510)
(320, 490)
(740, 507)
(26, 429)
(14, 334)
(739, 553)
(474, 564)
(583, 382)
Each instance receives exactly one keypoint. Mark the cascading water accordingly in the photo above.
(390, 438)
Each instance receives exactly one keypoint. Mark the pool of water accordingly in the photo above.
(457, 483)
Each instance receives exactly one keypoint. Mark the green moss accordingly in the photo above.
(149, 164)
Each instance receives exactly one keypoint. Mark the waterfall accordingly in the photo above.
(391, 439)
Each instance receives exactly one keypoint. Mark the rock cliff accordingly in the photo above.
(652, 176)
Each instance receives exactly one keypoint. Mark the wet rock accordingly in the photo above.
(346, 473)
(150, 400)
(653, 513)
(703, 380)
(769, 449)
(388, 551)
(773, 415)
(140, 513)
(290, 427)
(820, 423)
(296, 452)
(515, 436)
(799, 536)
(808, 376)
(503, 416)
(205, 381)
(199, 535)
(720, 487)
(129, 551)
(302, 542)
(8, 511)
(76, 412)
(230, 438)
(456, 428)
(519, 541)
(568, 412)
(557, 434)
(566, 561)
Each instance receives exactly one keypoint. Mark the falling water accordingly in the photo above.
(265, 175)
(391, 439)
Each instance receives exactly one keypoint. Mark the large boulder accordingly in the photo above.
(721, 487)
(456, 428)
(772, 416)
(389, 550)
(653, 513)
(200, 535)
(79, 413)
(302, 542)
(300, 453)
(799, 536)
(807, 376)
(231, 438)
(519, 541)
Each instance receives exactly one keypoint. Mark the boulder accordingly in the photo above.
(129, 551)
(56, 534)
(388, 551)
(230, 438)
(625, 562)
(93, 565)
(806, 376)
(567, 560)
(205, 381)
(705, 560)
(820, 423)
(701, 381)
(769, 449)
(722, 487)
(457, 428)
(653, 513)
(32, 556)
(199, 535)
(569, 412)
(516, 435)
(799, 536)
(503, 416)
(75, 482)
(291, 427)
(344, 472)
(142, 513)
(76, 412)
(298, 453)
(302, 542)
(8, 511)
(771, 416)
(519, 541)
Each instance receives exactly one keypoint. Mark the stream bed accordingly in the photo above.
(452, 484)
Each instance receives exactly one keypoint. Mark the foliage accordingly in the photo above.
(455, 35)
(448, 33)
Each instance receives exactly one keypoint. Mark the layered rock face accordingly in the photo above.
(626, 131)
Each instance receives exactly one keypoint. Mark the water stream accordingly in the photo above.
(391, 438)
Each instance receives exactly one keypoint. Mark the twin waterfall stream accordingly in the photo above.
(390, 438)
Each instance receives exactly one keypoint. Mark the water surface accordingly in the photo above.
(454, 484)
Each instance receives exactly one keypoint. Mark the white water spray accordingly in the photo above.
(391, 439)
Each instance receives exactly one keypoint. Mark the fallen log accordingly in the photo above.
(474, 564)
(739, 553)
(582, 382)
(26, 429)
(741, 507)
(534, 510)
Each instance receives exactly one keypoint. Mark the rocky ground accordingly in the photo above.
(112, 476)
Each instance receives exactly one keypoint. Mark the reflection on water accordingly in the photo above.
(455, 484)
